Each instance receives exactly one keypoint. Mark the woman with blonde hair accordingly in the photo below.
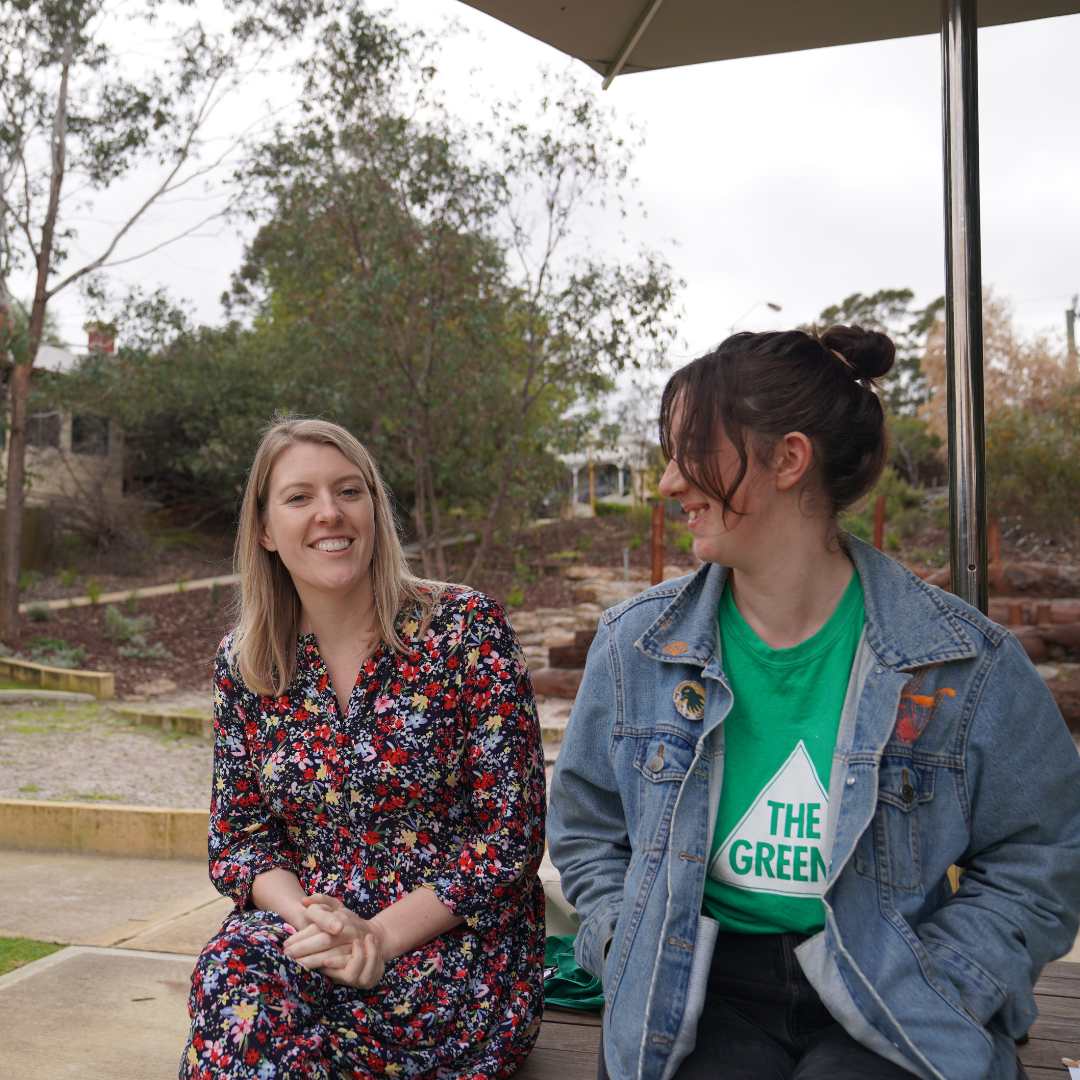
(378, 802)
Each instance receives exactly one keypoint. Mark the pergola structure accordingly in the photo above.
(617, 37)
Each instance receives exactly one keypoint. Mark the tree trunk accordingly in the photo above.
(419, 516)
(489, 524)
(11, 559)
(436, 521)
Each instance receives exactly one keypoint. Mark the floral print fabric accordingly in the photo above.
(433, 776)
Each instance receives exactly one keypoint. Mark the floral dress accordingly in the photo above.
(434, 776)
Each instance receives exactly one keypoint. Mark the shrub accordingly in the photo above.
(67, 577)
(54, 652)
(140, 649)
(122, 627)
(514, 598)
(39, 612)
(684, 541)
(131, 602)
(28, 579)
(93, 588)
(607, 508)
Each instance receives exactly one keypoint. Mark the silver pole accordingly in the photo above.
(963, 301)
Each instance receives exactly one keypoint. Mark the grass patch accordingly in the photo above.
(15, 952)
(92, 796)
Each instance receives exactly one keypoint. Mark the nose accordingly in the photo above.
(326, 509)
(672, 483)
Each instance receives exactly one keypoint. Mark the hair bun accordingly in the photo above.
(870, 352)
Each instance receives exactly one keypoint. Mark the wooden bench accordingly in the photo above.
(567, 1047)
(569, 1041)
(1056, 1033)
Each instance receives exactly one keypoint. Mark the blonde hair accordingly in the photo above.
(268, 607)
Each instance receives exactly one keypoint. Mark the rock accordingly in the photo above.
(1028, 579)
(557, 682)
(157, 686)
(607, 594)
(584, 573)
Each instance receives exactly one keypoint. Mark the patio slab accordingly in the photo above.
(95, 1014)
(90, 900)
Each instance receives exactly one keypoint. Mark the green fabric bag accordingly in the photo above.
(566, 984)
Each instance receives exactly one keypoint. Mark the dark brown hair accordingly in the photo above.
(757, 388)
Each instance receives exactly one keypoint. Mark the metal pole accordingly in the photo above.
(963, 301)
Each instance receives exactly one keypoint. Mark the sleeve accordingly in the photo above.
(1016, 907)
(588, 837)
(245, 838)
(492, 873)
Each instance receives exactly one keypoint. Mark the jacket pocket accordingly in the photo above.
(888, 850)
(662, 758)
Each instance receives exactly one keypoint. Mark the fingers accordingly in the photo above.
(323, 918)
(363, 967)
(331, 902)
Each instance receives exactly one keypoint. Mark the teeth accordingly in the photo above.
(692, 515)
(331, 545)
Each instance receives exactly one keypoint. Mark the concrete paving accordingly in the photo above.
(95, 1014)
(88, 900)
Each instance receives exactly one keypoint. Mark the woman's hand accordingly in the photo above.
(338, 944)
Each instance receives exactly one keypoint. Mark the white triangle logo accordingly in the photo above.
(778, 845)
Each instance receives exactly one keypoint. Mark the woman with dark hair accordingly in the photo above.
(772, 765)
(378, 802)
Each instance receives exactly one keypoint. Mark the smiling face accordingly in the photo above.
(719, 538)
(763, 506)
(320, 519)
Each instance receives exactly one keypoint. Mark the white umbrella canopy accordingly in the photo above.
(678, 32)
(622, 36)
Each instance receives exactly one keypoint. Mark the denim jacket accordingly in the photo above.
(950, 750)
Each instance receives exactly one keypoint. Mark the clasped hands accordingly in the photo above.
(337, 943)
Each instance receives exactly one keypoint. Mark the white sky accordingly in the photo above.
(796, 179)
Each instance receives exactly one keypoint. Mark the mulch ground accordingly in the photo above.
(189, 625)
(596, 541)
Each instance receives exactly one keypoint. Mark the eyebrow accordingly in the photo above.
(348, 477)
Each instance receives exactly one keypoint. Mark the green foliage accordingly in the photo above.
(1033, 463)
(141, 649)
(890, 310)
(67, 577)
(911, 444)
(584, 542)
(903, 508)
(54, 652)
(516, 596)
(122, 627)
(634, 542)
(28, 579)
(131, 602)
(93, 588)
(215, 593)
(684, 541)
(39, 612)
(607, 509)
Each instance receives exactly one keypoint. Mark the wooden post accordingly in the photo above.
(1016, 613)
(993, 542)
(879, 522)
(657, 541)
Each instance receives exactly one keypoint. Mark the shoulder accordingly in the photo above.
(226, 653)
(458, 609)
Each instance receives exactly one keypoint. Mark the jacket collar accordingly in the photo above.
(909, 624)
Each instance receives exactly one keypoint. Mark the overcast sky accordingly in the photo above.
(795, 179)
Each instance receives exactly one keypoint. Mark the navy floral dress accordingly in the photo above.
(434, 776)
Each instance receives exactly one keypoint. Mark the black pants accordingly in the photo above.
(763, 1020)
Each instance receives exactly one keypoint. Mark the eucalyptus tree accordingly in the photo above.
(76, 119)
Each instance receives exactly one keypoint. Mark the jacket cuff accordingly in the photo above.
(594, 937)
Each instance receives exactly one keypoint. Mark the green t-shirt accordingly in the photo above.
(767, 867)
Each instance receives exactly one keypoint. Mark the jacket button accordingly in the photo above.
(851, 781)
(907, 793)
(656, 764)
